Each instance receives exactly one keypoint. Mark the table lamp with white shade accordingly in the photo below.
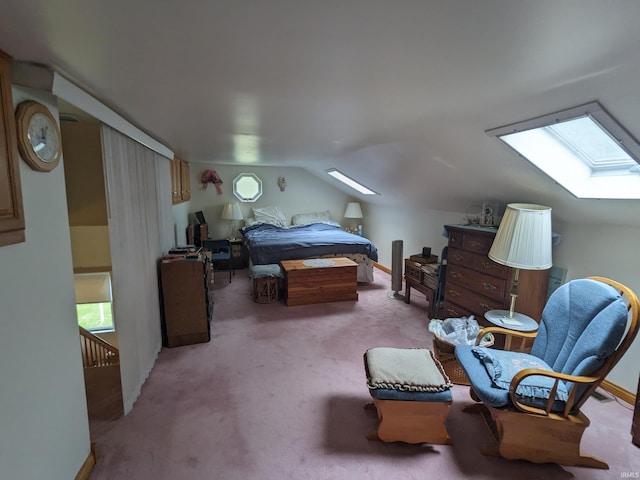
(354, 212)
(232, 211)
(524, 242)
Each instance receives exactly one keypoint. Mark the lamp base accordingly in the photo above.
(519, 322)
(395, 295)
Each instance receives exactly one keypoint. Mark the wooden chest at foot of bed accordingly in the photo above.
(319, 280)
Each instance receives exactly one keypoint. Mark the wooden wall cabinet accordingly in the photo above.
(187, 298)
(476, 284)
(180, 181)
(11, 211)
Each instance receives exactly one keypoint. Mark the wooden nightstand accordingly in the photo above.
(239, 253)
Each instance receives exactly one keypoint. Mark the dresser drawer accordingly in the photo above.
(470, 241)
(484, 264)
(470, 300)
(486, 285)
(457, 256)
(477, 243)
(452, 310)
(413, 270)
(477, 262)
(456, 239)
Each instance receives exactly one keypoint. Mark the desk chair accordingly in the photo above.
(220, 251)
(438, 297)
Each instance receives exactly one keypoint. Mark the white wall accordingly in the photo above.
(45, 431)
(90, 246)
(416, 227)
(304, 194)
(611, 252)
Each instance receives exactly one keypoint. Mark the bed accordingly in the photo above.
(268, 244)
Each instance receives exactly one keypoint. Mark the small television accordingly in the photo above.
(200, 217)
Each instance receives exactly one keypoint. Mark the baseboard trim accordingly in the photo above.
(621, 393)
(89, 463)
(382, 267)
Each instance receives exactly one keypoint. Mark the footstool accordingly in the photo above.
(411, 394)
(265, 282)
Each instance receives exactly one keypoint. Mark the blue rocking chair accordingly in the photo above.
(532, 401)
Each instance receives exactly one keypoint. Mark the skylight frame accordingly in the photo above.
(570, 169)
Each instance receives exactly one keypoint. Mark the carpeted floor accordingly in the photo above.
(279, 392)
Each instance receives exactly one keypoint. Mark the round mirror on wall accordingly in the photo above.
(247, 187)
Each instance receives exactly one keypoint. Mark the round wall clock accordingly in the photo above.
(38, 136)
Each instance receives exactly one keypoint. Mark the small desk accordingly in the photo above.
(319, 280)
(519, 323)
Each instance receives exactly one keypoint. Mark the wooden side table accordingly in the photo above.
(414, 278)
(519, 323)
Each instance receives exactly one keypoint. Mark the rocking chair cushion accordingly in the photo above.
(503, 365)
(534, 391)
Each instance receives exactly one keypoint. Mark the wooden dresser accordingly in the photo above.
(187, 294)
(476, 284)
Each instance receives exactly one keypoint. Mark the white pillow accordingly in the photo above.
(308, 218)
(249, 221)
(272, 215)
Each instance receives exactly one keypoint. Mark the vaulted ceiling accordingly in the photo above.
(397, 94)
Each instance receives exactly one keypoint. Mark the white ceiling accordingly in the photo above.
(397, 94)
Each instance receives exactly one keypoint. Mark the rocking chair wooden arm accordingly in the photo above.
(504, 331)
(569, 404)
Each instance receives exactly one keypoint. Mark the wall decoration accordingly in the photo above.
(38, 136)
(211, 176)
(282, 183)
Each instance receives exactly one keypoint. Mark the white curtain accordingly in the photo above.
(140, 231)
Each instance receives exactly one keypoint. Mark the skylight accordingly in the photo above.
(584, 149)
(338, 175)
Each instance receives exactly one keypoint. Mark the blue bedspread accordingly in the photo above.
(270, 244)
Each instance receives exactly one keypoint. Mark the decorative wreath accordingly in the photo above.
(211, 176)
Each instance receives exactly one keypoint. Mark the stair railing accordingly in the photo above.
(96, 352)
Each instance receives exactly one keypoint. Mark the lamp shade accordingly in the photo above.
(353, 210)
(231, 211)
(524, 237)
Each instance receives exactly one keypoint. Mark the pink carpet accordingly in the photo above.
(279, 392)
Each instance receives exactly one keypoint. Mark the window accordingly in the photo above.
(93, 301)
(584, 149)
(247, 187)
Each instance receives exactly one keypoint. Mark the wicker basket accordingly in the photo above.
(443, 351)
(265, 290)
